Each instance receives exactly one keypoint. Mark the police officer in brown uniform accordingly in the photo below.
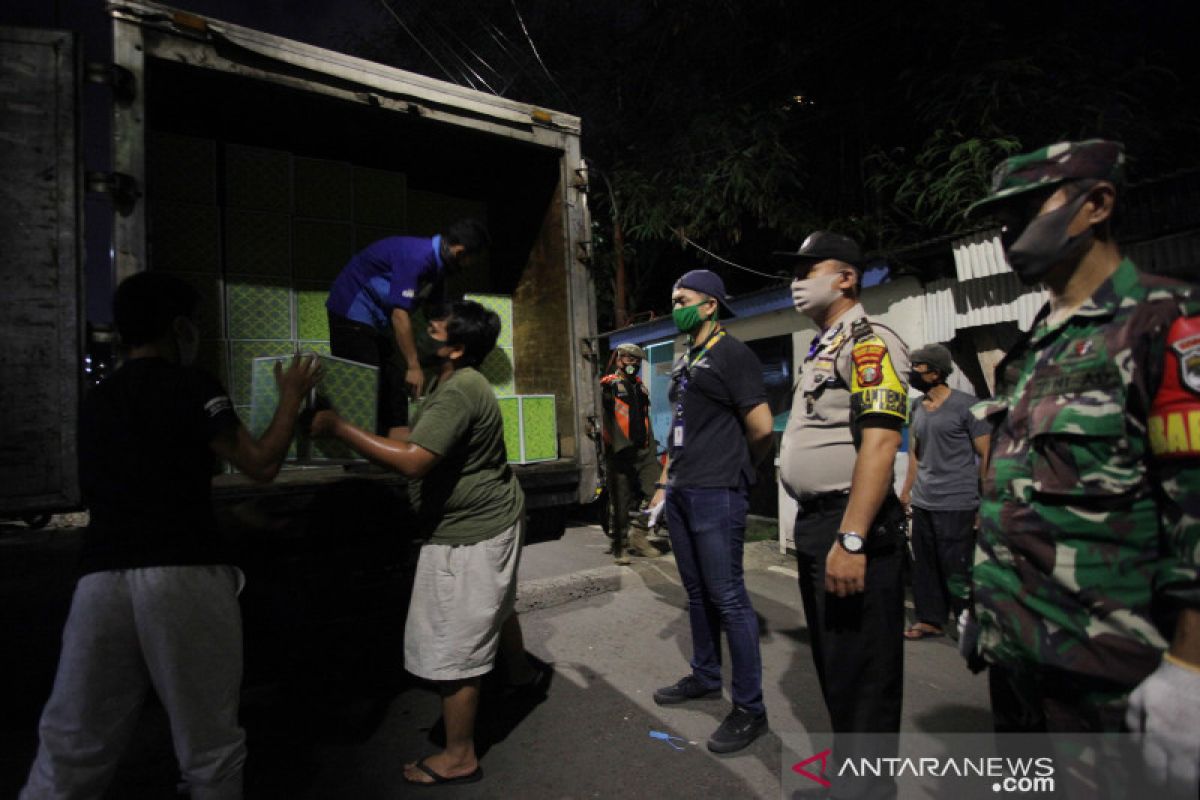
(837, 461)
(630, 452)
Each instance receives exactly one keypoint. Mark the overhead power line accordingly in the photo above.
(711, 254)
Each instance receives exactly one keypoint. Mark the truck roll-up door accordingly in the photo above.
(40, 303)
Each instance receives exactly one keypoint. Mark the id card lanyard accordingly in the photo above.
(684, 377)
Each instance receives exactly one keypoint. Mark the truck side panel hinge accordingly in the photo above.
(123, 189)
(119, 79)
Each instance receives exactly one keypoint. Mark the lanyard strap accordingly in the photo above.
(712, 340)
(686, 377)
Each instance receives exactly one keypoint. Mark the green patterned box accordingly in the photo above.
(257, 243)
(241, 365)
(184, 237)
(353, 389)
(539, 428)
(258, 178)
(530, 428)
(503, 306)
(379, 197)
(312, 322)
(181, 168)
(320, 348)
(510, 410)
(322, 188)
(261, 309)
(369, 234)
(498, 369)
(320, 249)
(213, 358)
(264, 397)
(209, 311)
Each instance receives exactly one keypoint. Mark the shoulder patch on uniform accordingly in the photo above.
(875, 387)
(867, 356)
(1174, 422)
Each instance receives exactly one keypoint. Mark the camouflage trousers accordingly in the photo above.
(1048, 700)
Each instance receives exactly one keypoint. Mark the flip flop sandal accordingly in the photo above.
(442, 780)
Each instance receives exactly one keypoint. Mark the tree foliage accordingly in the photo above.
(747, 123)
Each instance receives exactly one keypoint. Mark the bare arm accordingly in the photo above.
(759, 427)
(410, 460)
(406, 341)
(1186, 645)
(261, 458)
(983, 446)
(910, 475)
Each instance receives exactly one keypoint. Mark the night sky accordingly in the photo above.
(867, 87)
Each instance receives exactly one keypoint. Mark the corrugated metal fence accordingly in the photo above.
(986, 291)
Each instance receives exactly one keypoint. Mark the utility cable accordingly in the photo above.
(711, 254)
(538, 55)
(420, 44)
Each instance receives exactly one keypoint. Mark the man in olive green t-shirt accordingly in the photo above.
(472, 509)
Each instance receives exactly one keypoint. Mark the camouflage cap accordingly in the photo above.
(1098, 159)
(631, 349)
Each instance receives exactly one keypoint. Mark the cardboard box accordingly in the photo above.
(352, 388)
(258, 308)
(498, 368)
(503, 306)
(530, 428)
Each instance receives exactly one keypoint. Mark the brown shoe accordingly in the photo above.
(641, 546)
(622, 557)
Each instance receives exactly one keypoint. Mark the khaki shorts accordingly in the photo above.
(461, 596)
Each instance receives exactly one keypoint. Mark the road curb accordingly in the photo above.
(540, 593)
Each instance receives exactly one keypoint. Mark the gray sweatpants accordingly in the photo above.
(177, 630)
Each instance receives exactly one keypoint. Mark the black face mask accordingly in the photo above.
(427, 351)
(918, 381)
(1044, 243)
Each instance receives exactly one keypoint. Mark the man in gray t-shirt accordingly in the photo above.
(941, 490)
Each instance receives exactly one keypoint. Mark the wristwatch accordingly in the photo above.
(851, 542)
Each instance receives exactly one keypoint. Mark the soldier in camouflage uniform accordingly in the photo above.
(1085, 577)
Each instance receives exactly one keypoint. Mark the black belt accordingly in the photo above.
(826, 501)
(835, 501)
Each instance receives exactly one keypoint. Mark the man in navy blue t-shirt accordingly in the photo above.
(720, 430)
(371, 303)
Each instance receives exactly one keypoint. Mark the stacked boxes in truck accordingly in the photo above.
(254, 167)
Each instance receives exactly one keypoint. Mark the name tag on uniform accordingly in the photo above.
(678, 436)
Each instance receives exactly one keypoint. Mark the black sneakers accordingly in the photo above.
(738, 730)
(689, 688)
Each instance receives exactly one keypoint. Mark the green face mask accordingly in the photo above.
(688, 318)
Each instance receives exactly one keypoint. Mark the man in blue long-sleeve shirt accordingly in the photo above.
(371, 303)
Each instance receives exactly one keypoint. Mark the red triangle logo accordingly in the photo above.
(823, 757)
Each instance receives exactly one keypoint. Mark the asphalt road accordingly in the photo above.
(612, 635)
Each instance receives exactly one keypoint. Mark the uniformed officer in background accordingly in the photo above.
(630, 451)
(836, 460)
(1086, 590)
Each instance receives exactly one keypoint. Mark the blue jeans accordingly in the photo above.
(708, 529)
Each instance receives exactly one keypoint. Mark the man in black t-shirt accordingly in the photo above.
(720, 430)
(156, 606)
